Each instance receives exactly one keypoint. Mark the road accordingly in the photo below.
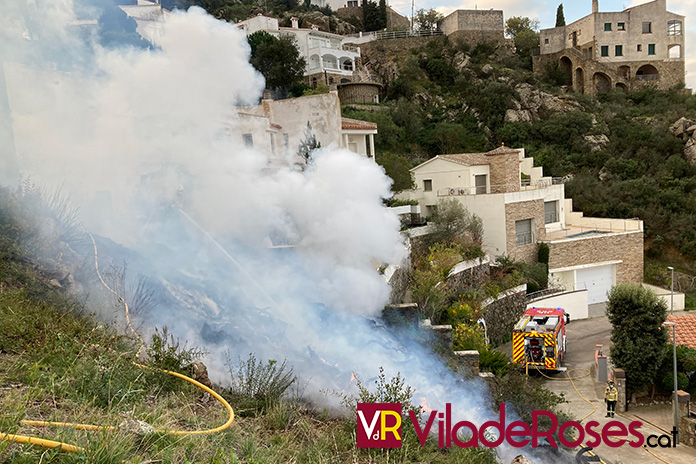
(582, 336)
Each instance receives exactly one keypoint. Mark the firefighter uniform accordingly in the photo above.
(611, 394)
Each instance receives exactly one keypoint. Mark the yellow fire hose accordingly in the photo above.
(22, 439)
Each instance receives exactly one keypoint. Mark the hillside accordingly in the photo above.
(618, 150)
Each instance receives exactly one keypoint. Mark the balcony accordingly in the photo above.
(544, 182)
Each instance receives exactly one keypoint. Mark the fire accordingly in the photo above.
(352, 377)
(424, 405)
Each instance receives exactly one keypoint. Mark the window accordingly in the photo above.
(618, 50)
(480, 181)
(651, 49)
(620, 26)
(248, 140)
(674, 27)
(352, 3)
(550, 212)
(607, 26)
(639, 48)
(647, 28)
(605, 50)
(428, 185)
(286, 141)
(523, 232)
(546, 41)
(272, 144)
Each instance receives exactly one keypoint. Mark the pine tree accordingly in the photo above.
(560, 17)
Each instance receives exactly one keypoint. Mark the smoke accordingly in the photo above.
(148, 141)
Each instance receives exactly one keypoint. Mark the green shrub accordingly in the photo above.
(495, 361)
(260, 385)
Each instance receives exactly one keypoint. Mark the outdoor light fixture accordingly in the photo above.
(676, 404)
(671, 305)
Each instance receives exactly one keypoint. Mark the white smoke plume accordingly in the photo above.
(145, 140)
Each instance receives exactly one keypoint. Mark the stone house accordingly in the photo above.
(329, 59)
(520, 208)
(278, 126)
(474, 25)
(641, 45)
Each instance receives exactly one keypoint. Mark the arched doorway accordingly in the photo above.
(567, 69)
(647, 72)
(579, 80)
(602, 82)
(621, 86)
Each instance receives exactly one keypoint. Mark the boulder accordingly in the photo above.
(596, 142)
(518, 115)
(487, 69)
(690, 151)
(461, 61)
(535, 100)
(679, 128)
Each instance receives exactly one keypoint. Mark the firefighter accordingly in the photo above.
(611, 394)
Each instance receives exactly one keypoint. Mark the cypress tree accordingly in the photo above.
(560, 17)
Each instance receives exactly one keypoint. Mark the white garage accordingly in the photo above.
(597, 280)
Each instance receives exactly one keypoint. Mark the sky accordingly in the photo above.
(545, 12)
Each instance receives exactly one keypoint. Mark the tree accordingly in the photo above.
(308, 144)
(278, 59)
(525, 34)
(383, 13)
(454, 224)
(560, 17)
(427, 20)
(398, 169)
(372, 17)
(637, 336)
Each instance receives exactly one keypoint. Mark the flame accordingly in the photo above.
(352, 376)
(424, 405)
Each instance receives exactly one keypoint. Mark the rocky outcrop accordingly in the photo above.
(521, 460)
(324, 23)
(685, 129)
(534, 102)
(596, 142)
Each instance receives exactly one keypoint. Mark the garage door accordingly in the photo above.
(597, 280)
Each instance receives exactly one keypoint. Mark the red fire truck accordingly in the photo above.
(539, 339)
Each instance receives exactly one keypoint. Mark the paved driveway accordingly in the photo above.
(582, 336)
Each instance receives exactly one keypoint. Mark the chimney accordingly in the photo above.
(595, 6)
(295, 22)
(267, 95)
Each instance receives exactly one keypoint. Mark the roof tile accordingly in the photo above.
(685, 329)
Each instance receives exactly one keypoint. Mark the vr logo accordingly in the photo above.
(379, 425)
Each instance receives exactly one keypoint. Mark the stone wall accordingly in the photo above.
(626, 247)
(358, 92)
(503, 313)
(469, 360)
(670, 72)
(533, 209)
(472, 20)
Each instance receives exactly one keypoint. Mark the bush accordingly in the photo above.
(495, 361)
(468, 337)
(394, 390)
(257, 385)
